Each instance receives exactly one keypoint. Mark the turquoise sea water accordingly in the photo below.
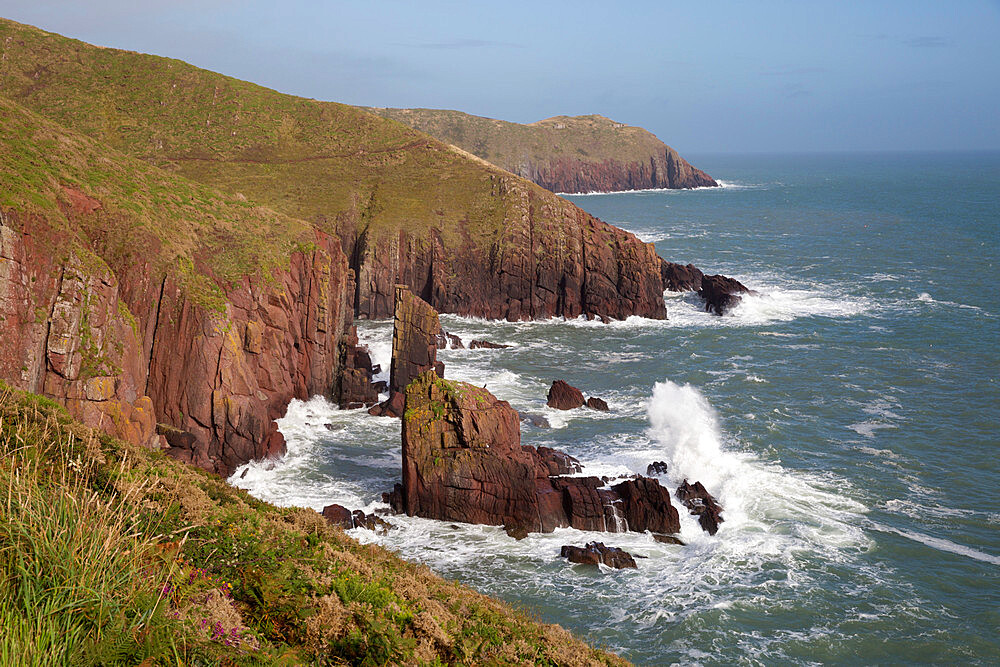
(847, 419)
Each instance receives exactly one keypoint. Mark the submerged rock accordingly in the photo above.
(701, 504)
(668, 539)
(536, 420)
(563, 396)
(338, 515)
(596, 552)
(487, 345)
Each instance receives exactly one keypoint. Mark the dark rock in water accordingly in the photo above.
(668, 539)
(595, 403)
(444, 339)
(456, 342)
(656, 468)
(679, 277)
(535, 420)
(720, 293)
(338, 515)
(701, 504)
(486, 345)
(517, 532)
(562, 396)
(646, 506)
(381, 386)
(393, 407)
(596, 552)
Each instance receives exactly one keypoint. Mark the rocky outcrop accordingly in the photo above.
(127, 347)
(721, 293)
(701, 504)
(463, 461)
(595, 553)
(563, 396)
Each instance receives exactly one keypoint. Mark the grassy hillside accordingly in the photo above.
(204, 237)
(586, 138)
(319, 161)
(111, 554)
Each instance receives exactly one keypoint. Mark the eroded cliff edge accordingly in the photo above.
(564, 153)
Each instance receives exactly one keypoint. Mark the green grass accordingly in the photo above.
(111, 554)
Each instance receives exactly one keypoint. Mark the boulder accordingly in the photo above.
(487, 345)
(720, 293)
(338, 515)
(701, 504)
(595, 403)
(595, 553)
(656, 468)
(391, 407)
(563, 396)
(668, 539)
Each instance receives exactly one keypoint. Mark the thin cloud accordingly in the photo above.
(461, 44)
(928, 42)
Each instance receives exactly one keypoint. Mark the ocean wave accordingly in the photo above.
(723, 185)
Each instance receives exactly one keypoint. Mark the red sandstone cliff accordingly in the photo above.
(126, 347)
(549, 259)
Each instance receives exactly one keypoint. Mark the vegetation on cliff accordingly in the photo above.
(113, 554)
(564, 153)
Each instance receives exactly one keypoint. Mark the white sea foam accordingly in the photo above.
(723, 185)
(924, 297)
(940, 544)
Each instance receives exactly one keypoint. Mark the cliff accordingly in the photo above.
(468, 237)
(564, 153)
(136, 297)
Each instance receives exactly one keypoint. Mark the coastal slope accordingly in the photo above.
(468, 237)
(570, 154)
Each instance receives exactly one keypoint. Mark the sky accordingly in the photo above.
(718, 77)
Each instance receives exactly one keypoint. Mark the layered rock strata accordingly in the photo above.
(463, 461)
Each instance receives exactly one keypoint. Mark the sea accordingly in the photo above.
(847, 418)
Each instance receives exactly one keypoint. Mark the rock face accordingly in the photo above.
(463, 461)
(563, 396)
(701, 504)
(547, 258)
(680, 277)
(127, 347)
(595, 553)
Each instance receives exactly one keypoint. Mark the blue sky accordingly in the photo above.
(705, 77)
